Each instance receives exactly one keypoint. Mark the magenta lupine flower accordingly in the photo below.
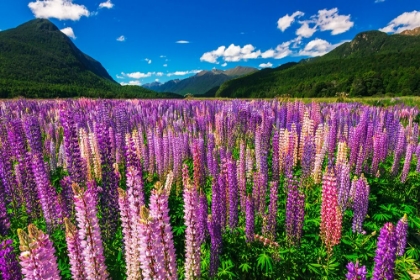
(159, 210)
(198, 162)
(37, 255)
(192, 245)
(385, 253)
(127, 229)
(9, 266)
(250, 219)
(401, 235)
(89, 233)
(295, 212)
(202, 217)
(360, 204)
(355, 271)
(407, 162)
(152, 260)
(74, 251)
(275, 159)
(399, 150)
(330, 211)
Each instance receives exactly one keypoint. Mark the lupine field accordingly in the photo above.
(129, 189)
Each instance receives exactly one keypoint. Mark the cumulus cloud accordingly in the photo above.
(224, 64)
(121, 38)
(165, 65)
(319, 47)
(162, 56)
(120, 77)
(379, 1)
(265, 65)
(330, 20)
(183, 73)
(108, 5)
(306, 31)
(131, 83)
(59, 9)
(69, 32)
(149, 61)
(159, 74)
(232, 53)
(285, 22)
(182, 42)
(407, 20)
(137, 75)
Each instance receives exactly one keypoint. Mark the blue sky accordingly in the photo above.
(142, 41)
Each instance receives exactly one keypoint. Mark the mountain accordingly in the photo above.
(372, 63)
(38, 60)
(201, 82)
(413, 32)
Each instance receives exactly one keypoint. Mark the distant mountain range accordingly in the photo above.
(38, 60)
(372, 63)
(202, 82)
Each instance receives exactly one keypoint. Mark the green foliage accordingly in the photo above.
(38, 61)
(372, 64)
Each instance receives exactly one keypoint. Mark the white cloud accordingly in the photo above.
(182, 42)
(149, 61)
(59, 9)
(165, 65)
(121, 38)
(183, 73)
(131, 83)
(407, 20)
(265, 65)
(156, 80)
(331, 20)
(224, 64)
(319, 47)
(232, 53)
(306, 31)
(120, 77)
(159, 74)
(69, 32)
(379, 1)
(285, 22)
(137, 75)
(162, 56)
(108, 4)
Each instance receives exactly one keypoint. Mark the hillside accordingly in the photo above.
(38, 60)
(372, 63)
(201, 82)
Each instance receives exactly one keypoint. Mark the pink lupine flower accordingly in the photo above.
(74, 251)
(37, 255)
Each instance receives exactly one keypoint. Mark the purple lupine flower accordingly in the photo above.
(407, 162)
(398, 152)
(242, 174)
(202, 217)
(308, 157)
(151, 247)
(360, 204)
(295, 212)
(385, 253)
(198, 163)
(9, 266)
(233, 192)
(355, 271)
(192, 245)
(74, 251)
(271, 222)
(67, 196)
(215, 232)
(109, 182)
(4, 218)
(89, 233)
(275, 158)
(74, 161)
(344, 184)
(37, 255)
(250, 219)
(159, 210)
(401, 235)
